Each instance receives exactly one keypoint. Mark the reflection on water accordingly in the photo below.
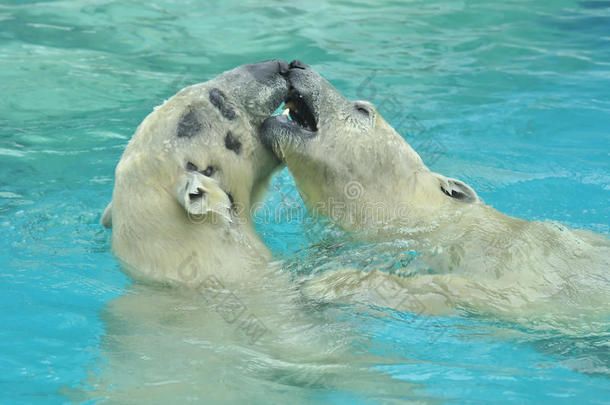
(169, 345)
(165, 344)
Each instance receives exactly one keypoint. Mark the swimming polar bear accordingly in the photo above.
(350, 165)
(180, 209)
(180, 214)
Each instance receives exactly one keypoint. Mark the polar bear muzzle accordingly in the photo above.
(300, 110)
(330, 142)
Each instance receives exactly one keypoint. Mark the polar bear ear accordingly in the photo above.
(457, 190)
(201, 195)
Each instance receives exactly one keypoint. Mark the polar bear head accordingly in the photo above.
(186, 181)
(348, 162)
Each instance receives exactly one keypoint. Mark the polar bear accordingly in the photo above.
(350, 165)
(180, 215)
(180, 209)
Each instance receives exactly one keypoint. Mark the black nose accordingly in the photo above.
(297, 64)
(264, 72)
(284, 68)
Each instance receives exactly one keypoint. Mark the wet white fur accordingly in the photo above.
(153, 234)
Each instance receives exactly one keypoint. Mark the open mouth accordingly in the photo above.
(300, 112)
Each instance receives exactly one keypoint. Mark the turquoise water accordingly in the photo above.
(510, 97)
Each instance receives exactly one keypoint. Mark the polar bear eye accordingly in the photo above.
(210, 170)
(363, 109)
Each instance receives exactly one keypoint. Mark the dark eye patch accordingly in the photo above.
(189, 125)
(219, 100)
(210, 170)
(232, 143)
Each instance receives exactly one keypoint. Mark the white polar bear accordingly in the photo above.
(180, 214)
(180, 209)
(350, 165)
